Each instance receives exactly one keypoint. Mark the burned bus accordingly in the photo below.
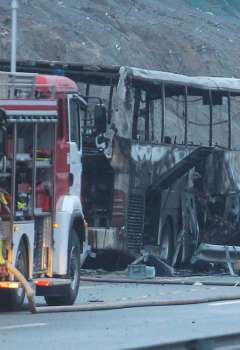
(161, 171)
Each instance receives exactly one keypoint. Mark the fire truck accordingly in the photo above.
(43, 232)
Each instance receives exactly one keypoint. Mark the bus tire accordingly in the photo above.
(74, 251)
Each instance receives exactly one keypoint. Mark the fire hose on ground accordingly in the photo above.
(159, 281)
(111, 305)
(25, 284)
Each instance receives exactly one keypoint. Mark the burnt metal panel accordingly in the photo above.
(93, 74)
(180, 168)
(135, 219)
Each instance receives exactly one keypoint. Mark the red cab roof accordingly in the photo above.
(55, 83)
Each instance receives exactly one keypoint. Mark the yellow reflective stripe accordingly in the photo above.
(2, 260)
(3, 199)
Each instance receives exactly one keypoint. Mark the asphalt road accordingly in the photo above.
(122, 329)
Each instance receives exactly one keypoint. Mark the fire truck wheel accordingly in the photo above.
(14, 299)
(74, 251)
(166, 244)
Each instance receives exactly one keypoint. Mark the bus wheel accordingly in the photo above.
(13, 299)
(70, 296)
(166, 243)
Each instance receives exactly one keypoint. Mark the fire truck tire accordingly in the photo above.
(74, 251)
(166, 243)
(13, 299)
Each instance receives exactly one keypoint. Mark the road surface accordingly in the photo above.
(122, 329)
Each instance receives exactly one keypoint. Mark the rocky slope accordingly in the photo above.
(185, 36)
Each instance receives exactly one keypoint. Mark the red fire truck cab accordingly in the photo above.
(42, 228)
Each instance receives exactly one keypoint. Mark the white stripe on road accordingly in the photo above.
(86, 287)
(28, 325)
(225, 303)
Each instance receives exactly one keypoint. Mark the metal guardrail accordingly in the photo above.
(226, 342)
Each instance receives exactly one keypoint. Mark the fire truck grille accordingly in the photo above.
(42, 242)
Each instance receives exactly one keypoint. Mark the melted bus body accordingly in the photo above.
(164, 174)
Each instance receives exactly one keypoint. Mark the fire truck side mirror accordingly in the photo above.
(2, 139)
(2, 150)
(100, 119)
(2, 131)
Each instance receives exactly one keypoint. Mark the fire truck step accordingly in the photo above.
(51, 286)
(9, 285)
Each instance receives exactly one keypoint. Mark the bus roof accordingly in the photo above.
(157, 78)
(109, 74)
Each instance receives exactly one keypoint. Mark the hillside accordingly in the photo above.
(185, 36)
